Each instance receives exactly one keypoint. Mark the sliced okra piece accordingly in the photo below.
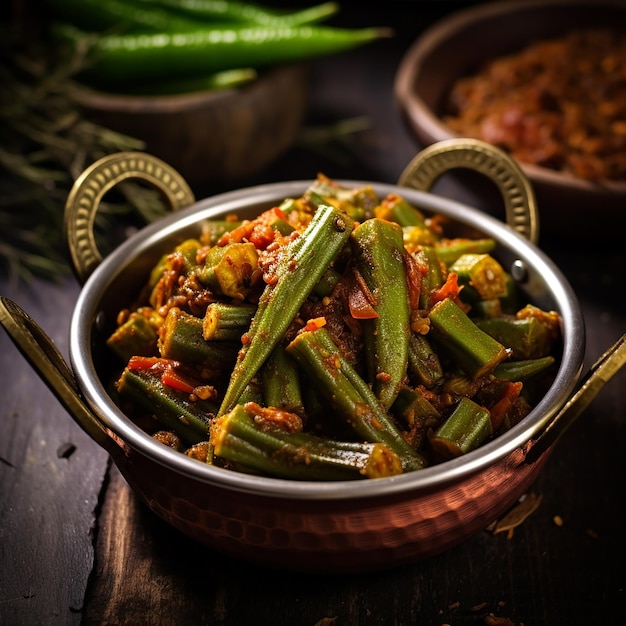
(224, 321)
(424, 362)
(281, 383)
(171, 408)
(523, 370)
(230, 270)
(348, 394)
(213, 230)
(295, 455)
(528, 338)
(184, 252)
(327, 282)
(181, 338)
(138, 335)
(414, 408)
(378, 252)
(481, 276)
(474, 351)
(466, 428)
(358, 202)
(299, 269)
(434, 275)
(395, 208)
(449, 250)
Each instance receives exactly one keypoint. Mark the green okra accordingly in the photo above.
(281, 383)
(474, 351)
(414, 408)
(527, 337)
(327, 282)
(481, 276)
(227, 322)
(348, 394)
(395, 208)
(449, 250)
(424, 362)
(467, 427)
(183, 254)
(359, 202)
(137, 336)
(230, 270)
(434, 276)
(378, 253)
(172, 409)
(213, 230)
(523, 370)
(299, 269)
(296, 455)
(253, 392)
(181, 338)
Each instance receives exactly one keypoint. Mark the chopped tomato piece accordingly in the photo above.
(449, 289)
(173, 379)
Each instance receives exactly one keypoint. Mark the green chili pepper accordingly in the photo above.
(246, 13)
(119, 59)
(227, 79)
(120, 16)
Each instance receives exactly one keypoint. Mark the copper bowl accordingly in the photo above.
(345, 526)
(459, 44)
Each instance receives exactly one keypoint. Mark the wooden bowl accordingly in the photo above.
(460, 44)
(213, 138)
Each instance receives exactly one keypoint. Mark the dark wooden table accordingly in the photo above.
(76, 545)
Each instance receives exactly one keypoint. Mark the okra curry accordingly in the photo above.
(336, 336)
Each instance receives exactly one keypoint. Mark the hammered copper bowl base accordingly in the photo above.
(337, 536)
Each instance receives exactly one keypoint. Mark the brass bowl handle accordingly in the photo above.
(91, 186)
(46, 359)
(519, 199)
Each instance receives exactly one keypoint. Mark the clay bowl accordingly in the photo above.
(460, 44)
(213, 138)
(345, 526)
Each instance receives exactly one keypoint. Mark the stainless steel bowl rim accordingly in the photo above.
(435, 477)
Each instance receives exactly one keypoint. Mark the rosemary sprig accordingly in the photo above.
(46, 141)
